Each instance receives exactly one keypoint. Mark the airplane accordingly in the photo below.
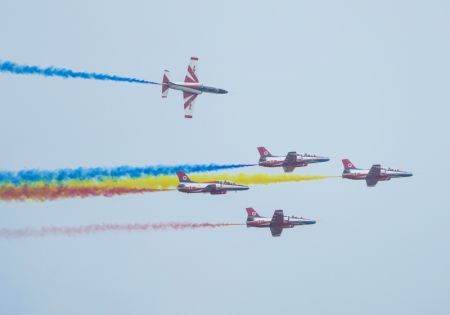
(288, 162)
(373, 175)
(277, 223)
(214, 188)
(191, 87)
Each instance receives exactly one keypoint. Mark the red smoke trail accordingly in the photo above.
(101, 228)
(51, 192)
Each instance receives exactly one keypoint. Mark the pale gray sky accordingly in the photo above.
(366, 80)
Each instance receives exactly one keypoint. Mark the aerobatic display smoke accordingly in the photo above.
(102, 228)
(11, 67)
(127, 185)
(99, 173)
(46, 192)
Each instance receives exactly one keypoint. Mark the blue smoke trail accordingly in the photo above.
(8, 66)
(99, 173)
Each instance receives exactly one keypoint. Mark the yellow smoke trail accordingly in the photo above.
(168, 181)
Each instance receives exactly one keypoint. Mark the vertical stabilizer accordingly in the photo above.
(182, 177)
(348, 165)
(252, 213)
(263, 153)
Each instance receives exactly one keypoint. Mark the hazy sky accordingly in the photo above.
(365, 80)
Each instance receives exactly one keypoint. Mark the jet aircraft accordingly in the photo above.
(214, 188)
(373, 175)
(288, 162)
(191, 87)
(277, 223)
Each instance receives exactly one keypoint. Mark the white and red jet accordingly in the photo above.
(372, 175)
(288, 162)
(191, 87)
(277, 223)
(214, 188)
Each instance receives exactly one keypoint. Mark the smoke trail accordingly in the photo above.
(112, 187)
(101, 173)
(165, 182)
(259, 178)
(11, 67)
(102, 228)
(47, 192)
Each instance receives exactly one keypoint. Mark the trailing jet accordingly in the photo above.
(372, 175)
(277, 223)
(288, 162)
(214, 188)
(191, 87)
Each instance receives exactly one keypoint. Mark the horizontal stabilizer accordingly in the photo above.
(165, 83)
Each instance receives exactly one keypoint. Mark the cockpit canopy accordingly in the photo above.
(226, 182)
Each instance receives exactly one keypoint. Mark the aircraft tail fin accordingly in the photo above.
(182, 177)
(263, 153)
(348, 165)
(165, 83)
(252, 213)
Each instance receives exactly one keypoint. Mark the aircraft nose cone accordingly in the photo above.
(324, 159)
(245, 188)
(223, 91)
(311, 222)
(408, 174)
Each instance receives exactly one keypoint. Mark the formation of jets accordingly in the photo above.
(191, 88)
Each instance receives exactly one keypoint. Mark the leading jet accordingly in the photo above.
(277, 223)
(191, 87)
(214, 188)
(288, 162)
(373, 175)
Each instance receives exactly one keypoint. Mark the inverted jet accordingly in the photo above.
(277, 223)
(373, 175)
(191, 87)
(214, 188)
(289, 162)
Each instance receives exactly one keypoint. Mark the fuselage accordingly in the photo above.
(214, 188)
(385, 174)
(288, 222)
(302, 160)
(195, 88)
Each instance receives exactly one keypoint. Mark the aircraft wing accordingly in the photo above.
(209, 188)
(374, 175)
(189, 101)
(276, 231)
(288, 169)
(278, 218)
(289, 161)
(191, 76)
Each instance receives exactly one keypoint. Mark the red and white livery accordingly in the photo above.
(214, 188)
(277, 223)
(373, 175)
(289, 162)
(191, 87)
